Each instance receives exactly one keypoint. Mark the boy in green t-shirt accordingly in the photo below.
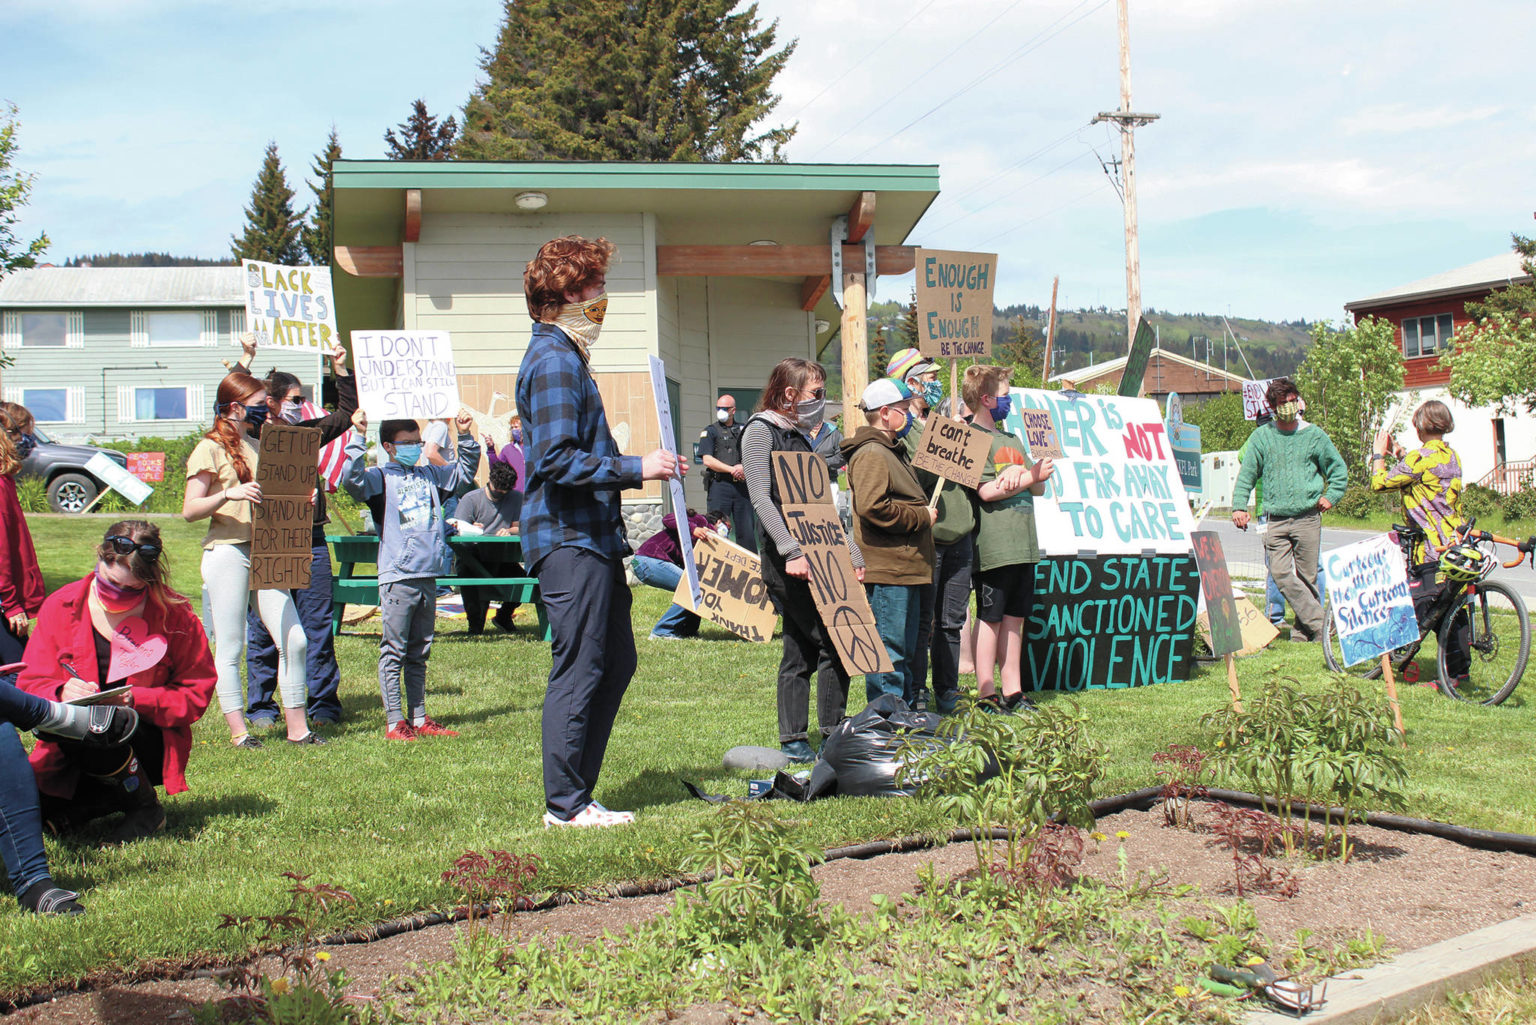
(1006, 547)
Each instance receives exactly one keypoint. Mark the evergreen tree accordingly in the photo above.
(627, 80)
(906, 331)
(421, 136)
(14, 188)
(316, 235)
(272, 228)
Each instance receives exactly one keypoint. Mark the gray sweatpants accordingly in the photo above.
(409, 612)
(1293, 546)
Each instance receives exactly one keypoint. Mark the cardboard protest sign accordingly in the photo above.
(954, 450)
(675, 486)
(282, 522)
(1039, 434)
(1136, 362)
(103, 468)
(1216, 585)
(405, 375)
(840, 602)
(1254, 401)
(1111, 622)
(1116, 489)
(1367, 586)
(954, 302)
(733, 593)
(147, 466)
(290, 306)
(1258, 631)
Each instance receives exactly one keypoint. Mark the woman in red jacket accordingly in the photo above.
(21, 582)
(120, 627)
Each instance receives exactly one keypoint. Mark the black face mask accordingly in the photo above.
(25, 444)
(256, 415)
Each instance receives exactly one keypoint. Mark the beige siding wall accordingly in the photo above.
(754, 323)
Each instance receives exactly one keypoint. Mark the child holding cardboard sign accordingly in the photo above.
(1006, 547)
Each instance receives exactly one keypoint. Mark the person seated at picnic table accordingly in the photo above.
(659, 563)
(492, 510)
(122, 626)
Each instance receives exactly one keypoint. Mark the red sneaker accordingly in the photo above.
(430, 727)
(401, 730)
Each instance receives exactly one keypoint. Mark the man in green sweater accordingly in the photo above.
(1302, 474)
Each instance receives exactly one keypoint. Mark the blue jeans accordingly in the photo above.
(678, 621)
(898, 612)
(21, 824)
(321, 673)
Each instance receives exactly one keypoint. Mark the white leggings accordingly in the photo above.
(226, 582)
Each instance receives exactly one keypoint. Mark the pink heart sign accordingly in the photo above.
(133, 649)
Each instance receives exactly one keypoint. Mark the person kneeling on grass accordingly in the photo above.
(411, 536)
(659, 562)
(122, 626)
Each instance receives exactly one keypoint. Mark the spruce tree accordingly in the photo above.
(272, 228)
(658, 80)
(15, 254)
(316, 235)
(421, 136)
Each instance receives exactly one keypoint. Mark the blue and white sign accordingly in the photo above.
(1367, 586)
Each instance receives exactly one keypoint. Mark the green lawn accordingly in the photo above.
(384, 819)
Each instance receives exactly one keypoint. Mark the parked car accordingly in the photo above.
(62, 468)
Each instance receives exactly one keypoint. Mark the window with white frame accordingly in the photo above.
(145, 403)
(51, 405)
(43, 329)
(172, 328)
(1425, 336)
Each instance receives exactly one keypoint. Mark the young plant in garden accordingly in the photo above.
(1251, 835)
(496, 876)
(1182, 770)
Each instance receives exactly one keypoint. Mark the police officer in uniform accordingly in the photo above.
(725, 481)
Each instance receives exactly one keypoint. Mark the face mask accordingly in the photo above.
(1004, 407)
(906, 426)
(408, 454)
(1287, 410)
(25, 444)
(722, 415)
(583, 321)
(723, 529)
(933, 393)
(292, 413)
(256, 415)
(115, 597)
(808, 413)
(517, 435)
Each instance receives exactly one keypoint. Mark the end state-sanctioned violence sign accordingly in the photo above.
(954, 302)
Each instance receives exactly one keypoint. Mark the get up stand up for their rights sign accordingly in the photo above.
(283, 521)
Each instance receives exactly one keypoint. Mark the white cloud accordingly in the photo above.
(1401, 117)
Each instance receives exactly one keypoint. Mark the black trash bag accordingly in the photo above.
(859, 757)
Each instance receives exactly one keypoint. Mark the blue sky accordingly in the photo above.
(1309, 152)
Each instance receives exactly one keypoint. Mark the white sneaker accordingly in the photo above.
(594, 815)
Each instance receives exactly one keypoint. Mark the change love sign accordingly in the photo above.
(103, 468)
(405, 375)
(282, 522)
(954, 302)
(1255, 403)
(954, 450)
(290, 306)
(840, 602)
(1039, 434)
(1368, 590)
(1116, 489)
(733, 594)
(675, 486)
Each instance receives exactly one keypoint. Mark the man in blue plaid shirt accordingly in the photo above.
(573, 533)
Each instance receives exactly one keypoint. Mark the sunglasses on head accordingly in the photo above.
(125, 545)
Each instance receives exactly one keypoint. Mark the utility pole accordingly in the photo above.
(1128, 121)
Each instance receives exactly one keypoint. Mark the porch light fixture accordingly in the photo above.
(822, 326)
(531, 200)
(763, 242)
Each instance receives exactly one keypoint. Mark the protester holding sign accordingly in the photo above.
(1428, 478)
(285, 398)
(792, 404)
(1006, 547)
(893, 526)
(1303, 475)
(123, 634)
(921, 376)
(573, 528)
(222, 489)
(659, 563)
(21, 580)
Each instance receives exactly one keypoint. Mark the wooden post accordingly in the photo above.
(855, 331)
(1050, 333)
(1237, 697)
(99, 496)
(1128, 170)
(1397, 713)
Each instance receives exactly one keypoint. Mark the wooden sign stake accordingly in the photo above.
(1397, 713)
(1237, 697)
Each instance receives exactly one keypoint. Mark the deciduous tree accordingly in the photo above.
(272, 227)
(15, 187)
(1493, 360)
(1348, 380)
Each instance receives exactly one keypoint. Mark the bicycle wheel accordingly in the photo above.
(1333, 654)
(1490, 632)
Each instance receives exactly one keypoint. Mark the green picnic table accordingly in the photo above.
(351, 587)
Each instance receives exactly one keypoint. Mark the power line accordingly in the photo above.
(972, 213)
(865, 55)
(1039, 40)
(957, 197)
(1055, 209)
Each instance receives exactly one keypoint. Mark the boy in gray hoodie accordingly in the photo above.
(410, 523)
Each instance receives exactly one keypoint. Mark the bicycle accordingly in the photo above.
(1472, 614)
